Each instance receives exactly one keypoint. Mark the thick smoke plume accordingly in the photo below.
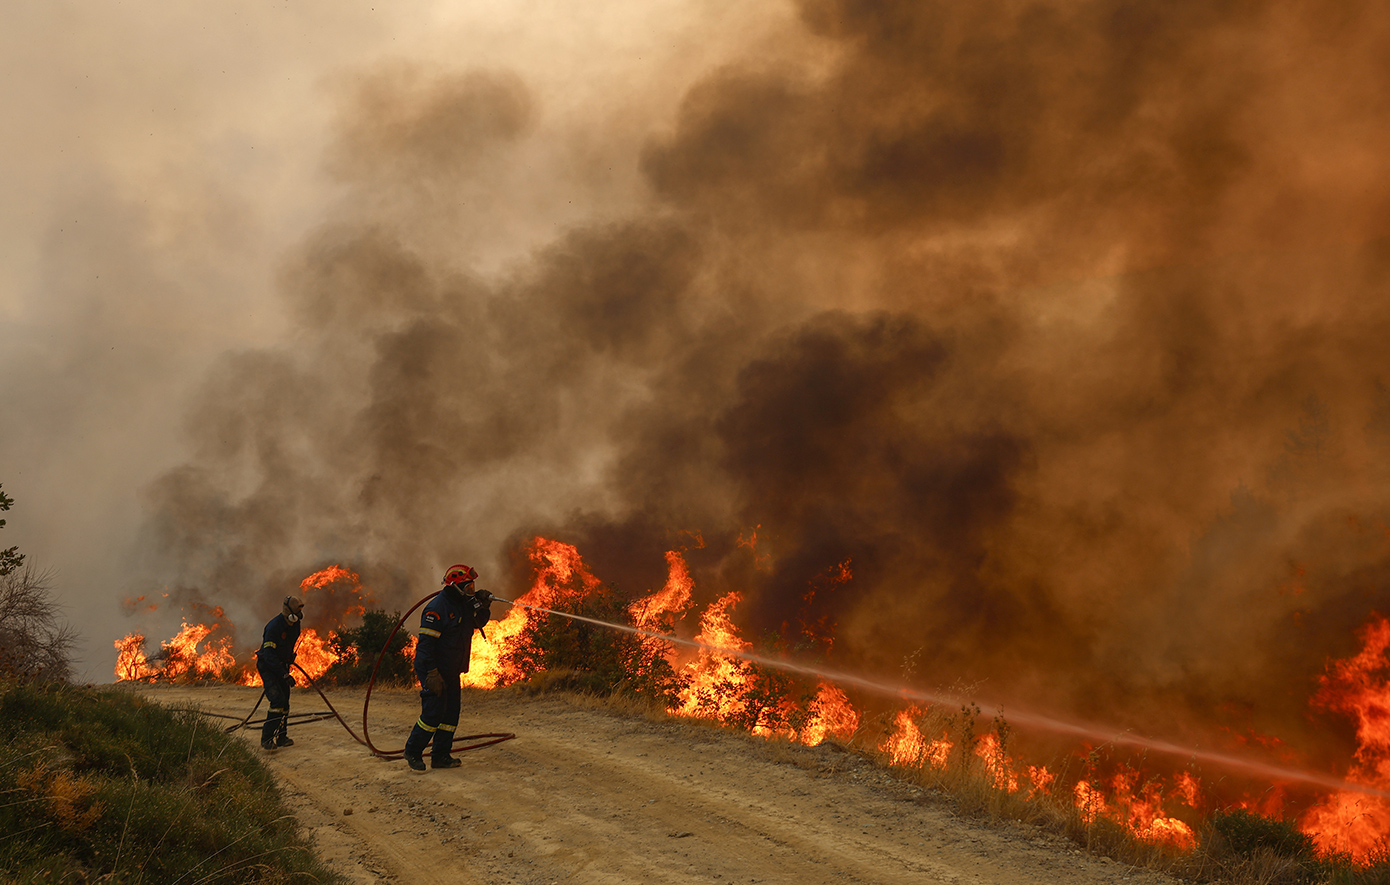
(1060, 325)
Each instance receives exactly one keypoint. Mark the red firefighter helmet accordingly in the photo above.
(460, 574)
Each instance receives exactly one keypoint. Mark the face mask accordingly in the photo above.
(292, 618)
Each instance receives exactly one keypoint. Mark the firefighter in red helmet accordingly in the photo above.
(441, 656)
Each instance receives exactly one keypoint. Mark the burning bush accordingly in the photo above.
(593, 659)
(746, 695)
(768, 701)
(178, 658)
(357, 650)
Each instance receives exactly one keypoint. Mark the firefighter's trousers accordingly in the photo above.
(277, 695)
(439, 717)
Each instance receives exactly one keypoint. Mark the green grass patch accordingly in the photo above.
(100, 783)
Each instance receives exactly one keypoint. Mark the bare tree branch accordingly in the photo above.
(34, 642)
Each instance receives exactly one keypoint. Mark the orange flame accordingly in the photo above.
(761, 561)
(1353, 822)
(822, 629)
(327, 576)
(182, 659)
(905, 745)
(997, 764)
(1041, 779)
(1089, 801)
(672, 599)
(131, 664)
(340, 592)
(1140, 811)
(558, 569)
(938, 752)
(831, 714)
(313, 654)
(717, 681)
(652, 612)
(1143, 812)
(130, 604)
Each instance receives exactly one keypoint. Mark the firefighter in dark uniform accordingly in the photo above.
(441, 655)
(273, 662)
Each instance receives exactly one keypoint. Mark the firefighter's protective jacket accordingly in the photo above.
(446, 633)
(277, 645)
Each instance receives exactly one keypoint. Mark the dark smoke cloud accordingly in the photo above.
(427, 129)
(1062, 324)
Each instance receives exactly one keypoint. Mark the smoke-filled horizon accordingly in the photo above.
(1060, 327)
(165, 165)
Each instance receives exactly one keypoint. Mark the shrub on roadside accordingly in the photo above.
(1246, 833)
(359, 647)
(597, 660)
(1246, 846)
(99, 783)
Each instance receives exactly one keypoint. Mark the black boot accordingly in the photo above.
(415, 748)
(441, 754)
(274, 726)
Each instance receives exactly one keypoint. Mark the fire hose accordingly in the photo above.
(481, 740)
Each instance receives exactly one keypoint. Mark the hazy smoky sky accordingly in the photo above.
(167, 168)
(1062, 323)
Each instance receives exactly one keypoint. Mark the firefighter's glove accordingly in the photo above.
(434, 681)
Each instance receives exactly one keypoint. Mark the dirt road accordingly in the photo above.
(586, 796)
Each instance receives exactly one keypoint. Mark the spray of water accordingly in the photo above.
(1016, 716)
